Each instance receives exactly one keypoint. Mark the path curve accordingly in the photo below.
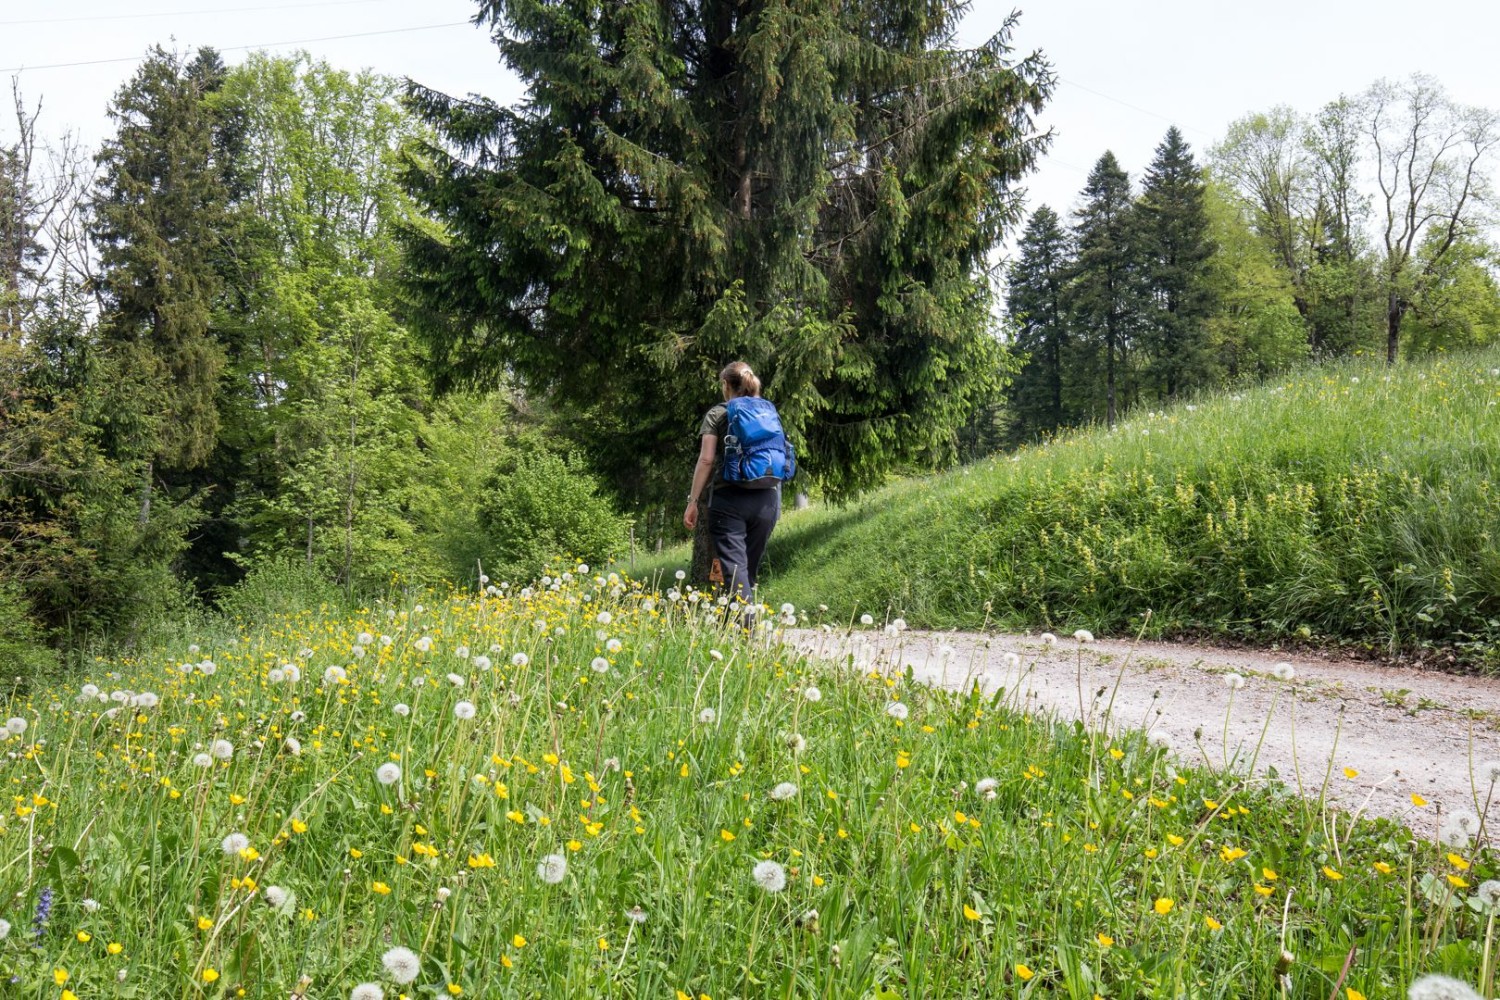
(1405, 731)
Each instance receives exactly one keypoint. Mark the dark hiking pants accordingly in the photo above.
(740, 521)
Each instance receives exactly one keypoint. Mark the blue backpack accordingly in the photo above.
(755, 446)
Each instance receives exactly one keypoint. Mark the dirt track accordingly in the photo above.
(1403, 730)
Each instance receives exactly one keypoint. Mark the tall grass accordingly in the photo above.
(213, 823)
(1349, 504)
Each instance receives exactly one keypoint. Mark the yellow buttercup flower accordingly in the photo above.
(970, 913)
(1163, 906)
(1023, 973)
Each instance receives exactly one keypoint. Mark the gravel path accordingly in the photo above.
(1405, 731)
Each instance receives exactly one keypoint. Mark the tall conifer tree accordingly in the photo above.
(812, 187)
(162, 216)
(1175, 248)
(1039, 401)
(1106, 290)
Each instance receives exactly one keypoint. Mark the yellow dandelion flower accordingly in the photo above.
(1458, 862)
(1163, 906)
(970, 913)
(1213, 924)
(381, 888)
(1105, 941)
(1350, 773)
(1023, 973)
(1382, 867)
(1417, 800)
(1332, 874)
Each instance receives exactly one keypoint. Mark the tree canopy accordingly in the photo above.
(815, 188)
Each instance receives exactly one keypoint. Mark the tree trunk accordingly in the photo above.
(703, 548)
(1393, 313)
(146, 492)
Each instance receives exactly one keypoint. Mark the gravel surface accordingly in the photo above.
(1405, 731)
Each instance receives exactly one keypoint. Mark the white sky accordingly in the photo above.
(1129, 67)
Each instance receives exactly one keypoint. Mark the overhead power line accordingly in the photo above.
(243, 48)
(185, 13)
(1135, 107)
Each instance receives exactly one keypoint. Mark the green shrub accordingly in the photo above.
(537, 507)
(23, 653)
(277, 586)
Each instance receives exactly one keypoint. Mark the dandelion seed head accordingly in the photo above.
(614, 645)
(464, 710)
(635, 915)
(1440, 988)
(520, 660)
(222, 749)
(276, 897)
(482, 662)
(456, 680)
(234, 843)
(813, 694)
(707, 716)
(552, 869)
(1489, 772)
(898, 711)
(604, 618)
(402, 965)
(367, 991)
(784, 791)
(202, 760)
(867, 619)
(986, 786)
(1083, 635)
(1233, 681)
(335, 675)
(769, 875)
(1284, 672)
(388, 773)
(599, 665)
(1488, 893)
(293, 745)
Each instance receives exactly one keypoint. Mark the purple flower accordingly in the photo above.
(43, 911)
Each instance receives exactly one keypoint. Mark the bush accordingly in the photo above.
(537, 507)
(22, 651)
(280, 585)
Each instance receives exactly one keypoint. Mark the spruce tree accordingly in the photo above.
(812, 187)
(1105, 294)
(162, 216)
(1175, 249)
(1037, 305)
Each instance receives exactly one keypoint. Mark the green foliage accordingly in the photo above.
(1336, 505)
(23, 651)
(814, 188)
(163, 227)
(280, 586)
(538, 508)
(1176, 249)
(1041, 396)
(1107, 291)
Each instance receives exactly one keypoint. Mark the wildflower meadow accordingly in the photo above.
(586, 788)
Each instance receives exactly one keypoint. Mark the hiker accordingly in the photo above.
(744, 453)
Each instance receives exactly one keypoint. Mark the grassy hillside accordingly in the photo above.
(1347, 504)
(593, 792)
